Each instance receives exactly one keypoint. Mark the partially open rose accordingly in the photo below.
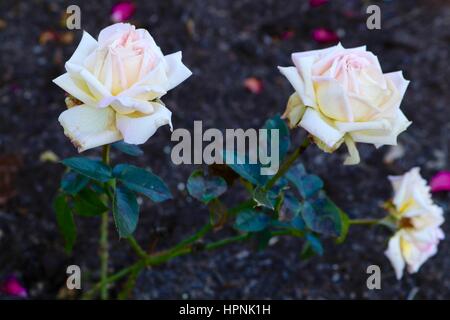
(418, 221)
(119, 80)
(342, 95)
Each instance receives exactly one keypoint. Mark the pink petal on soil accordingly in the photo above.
(317, 3)
(12, 287)
(253, 85)
(323, 35)
(440, 182)
(122, 11)
(286, 35)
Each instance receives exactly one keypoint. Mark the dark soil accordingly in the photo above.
(223, 42)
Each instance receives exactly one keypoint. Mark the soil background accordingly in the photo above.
(223, 43)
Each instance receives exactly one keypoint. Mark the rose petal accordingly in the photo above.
(317, 3)
(177, 72)
(127, 105)
(440, 182)
(294, 110)
(122, 11)
(401, 84)
(88, 127)
(112, 32)
(383, 137)
(317, 52)
(153, 85)
(74, 88)
(353, 153)
(318, 127)
(86, 78)
(253, 85)
(138, 128)
(12, 287)
(303, 86)
(394, 254)
(323, 35)
(288, 34)
(84, 49)
(382, 124)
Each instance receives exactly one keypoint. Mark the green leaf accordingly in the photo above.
(322, 216)
(251, 221)
(65, 221)
(93, 169)
(307, 251)
(73, 182)
(307, 184)
(125, 211)
(142, 181)
(205, 188)
(292, 204)
(87, 203)
(130, 149)
(264, 198)
(284, 139)
(250, 172)
(298, 223)
(345, 225)
(315, 243)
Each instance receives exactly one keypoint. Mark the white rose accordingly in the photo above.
(118, 79)
(418, 220)
(342, 95)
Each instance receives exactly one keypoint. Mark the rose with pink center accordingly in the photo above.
(119, 79)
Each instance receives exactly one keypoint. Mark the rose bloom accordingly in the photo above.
(418, 221)
(119, 80)
(342, 95)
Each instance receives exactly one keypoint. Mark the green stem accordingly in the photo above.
(136, 247)
(185, 246)
(127, 289)
(196, 236)
(161, 257)
(104, 254)
(364, 221)
(226, 241)
(288, 163)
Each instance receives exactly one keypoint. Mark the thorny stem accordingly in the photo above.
(104, 254)
(161, 257)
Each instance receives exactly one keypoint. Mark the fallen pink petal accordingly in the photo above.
(12, 287)
(254, 85)
(317, 3)
(122, 11)
(323, 35)
(289, 34)
(440, 182)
